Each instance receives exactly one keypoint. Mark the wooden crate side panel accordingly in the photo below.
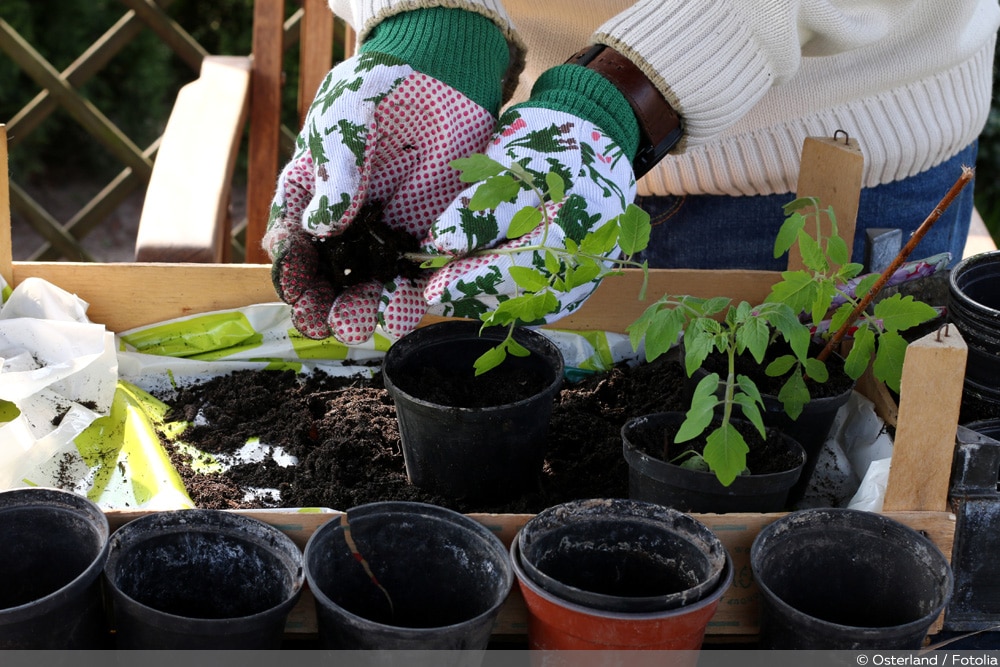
(123, 296)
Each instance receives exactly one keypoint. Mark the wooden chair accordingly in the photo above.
(185, 217)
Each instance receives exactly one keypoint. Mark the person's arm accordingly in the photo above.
(365, 15)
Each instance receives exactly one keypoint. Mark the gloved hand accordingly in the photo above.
(376, 143)
(547, 133)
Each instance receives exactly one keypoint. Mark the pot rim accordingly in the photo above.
(545, 348)
(723, 585)
(59, 499)
(631, 452)
(424, 509)
(173, 522)
(877, 520)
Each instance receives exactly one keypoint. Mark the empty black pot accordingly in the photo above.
(406, 575)
(847, 579)
(202, 579)
(53, 545)
(490, 452)
(974, 307)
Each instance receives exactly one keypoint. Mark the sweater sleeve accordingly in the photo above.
(715, 59)
(364, 15)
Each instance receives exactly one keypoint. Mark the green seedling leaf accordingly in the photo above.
(490, 359)
(861, 352)
(556, 186)
(494, 191)
(780, 366)
(552, 263)
(750, 402)
(794, 395)
(796, 289)
(691, 461)
(799, 204)
(837, 250)
(795, 333)
(477, 167)
(584, 272)
(726, 453)
(701, 411)
(436, 262)
(754, 336)
(634, 231)
(516, 349)
(600, 241)
(789, 232)
(822, 300)
(888, 363)
(899, 313)
(663, 331)
(866, 284)
(850, 270)
(699, 342)
(817, 370)
(812, 254)
(524, 222)
(840, 316)
(528, 279)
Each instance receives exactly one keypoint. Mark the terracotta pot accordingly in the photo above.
(556, 623)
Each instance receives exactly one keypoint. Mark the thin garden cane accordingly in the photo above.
(925, 226)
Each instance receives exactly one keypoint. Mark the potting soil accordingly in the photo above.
(342, 435)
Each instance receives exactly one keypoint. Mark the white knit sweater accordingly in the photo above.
(909, 79)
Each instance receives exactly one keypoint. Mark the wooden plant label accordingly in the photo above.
(930, 398)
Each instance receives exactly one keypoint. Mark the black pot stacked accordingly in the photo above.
(974, 308)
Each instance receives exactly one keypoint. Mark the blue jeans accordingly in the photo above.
(720, 232)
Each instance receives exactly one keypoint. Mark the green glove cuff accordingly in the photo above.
(463, 49)
(586, 94)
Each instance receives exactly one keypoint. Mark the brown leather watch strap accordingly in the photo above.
(659, 124)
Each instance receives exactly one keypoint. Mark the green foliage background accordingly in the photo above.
(138, 87)
(136, 90)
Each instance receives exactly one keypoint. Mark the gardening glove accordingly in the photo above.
(377, 141)
(577, 124)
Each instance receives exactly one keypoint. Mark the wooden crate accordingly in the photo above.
(123, 296)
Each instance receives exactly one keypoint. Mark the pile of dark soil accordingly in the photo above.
(344, 434)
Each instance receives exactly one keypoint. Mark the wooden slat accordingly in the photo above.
(50, 228)
(265, 113)
(315, 52)
(6, 243)
(82, 110)
(169, 32)
(185, 217)
(99, 208)
(124, 296)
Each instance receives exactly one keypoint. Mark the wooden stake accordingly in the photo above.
(6, 244)
(930, 399)
(831, 171)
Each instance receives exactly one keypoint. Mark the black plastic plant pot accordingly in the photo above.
(811, 429)
(406, 575)
(847, 579)
(974, 307)
(202, 579)
(53, 545)
(655, 480)
(486, 452)
(621, 555)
